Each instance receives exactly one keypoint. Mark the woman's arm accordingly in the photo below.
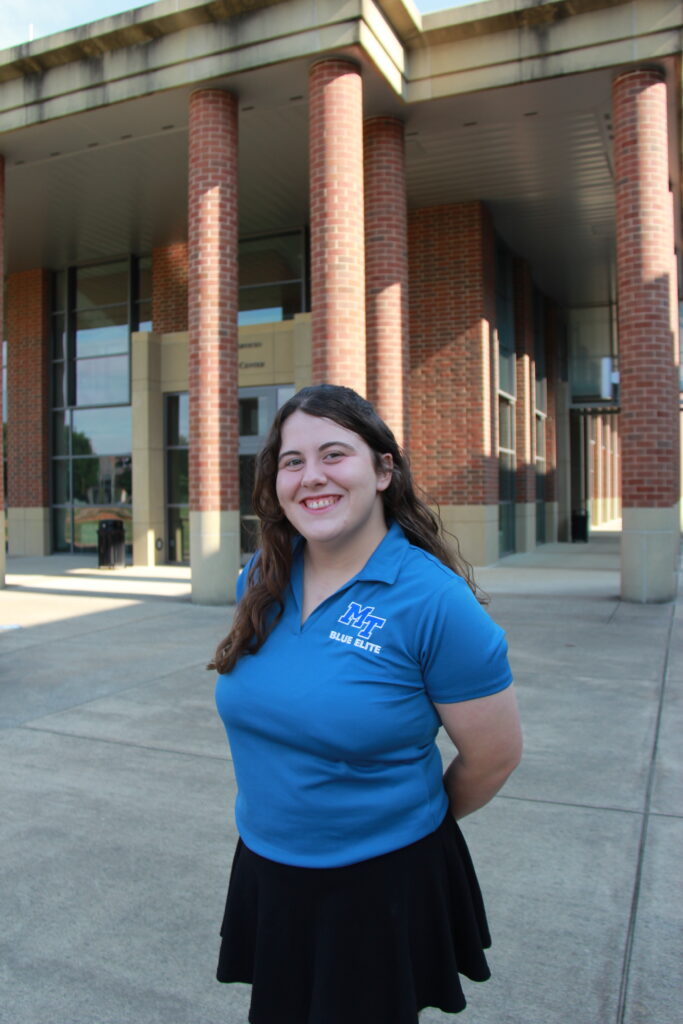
(487, 734)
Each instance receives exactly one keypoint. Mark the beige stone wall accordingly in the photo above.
(476, 527)
(28, 531)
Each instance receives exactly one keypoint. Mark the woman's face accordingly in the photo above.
(328, 484)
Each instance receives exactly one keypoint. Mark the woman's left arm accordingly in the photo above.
(488, 737)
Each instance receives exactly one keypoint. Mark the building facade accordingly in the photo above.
(473, 217)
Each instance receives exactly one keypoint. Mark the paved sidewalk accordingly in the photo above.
(116, 823)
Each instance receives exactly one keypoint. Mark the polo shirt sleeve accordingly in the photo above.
(463, 651)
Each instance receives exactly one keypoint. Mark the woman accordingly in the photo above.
(352, 898)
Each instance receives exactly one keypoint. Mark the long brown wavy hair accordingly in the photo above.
(262, 604)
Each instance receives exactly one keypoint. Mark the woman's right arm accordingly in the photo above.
(487, 734)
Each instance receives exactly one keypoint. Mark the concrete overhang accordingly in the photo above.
(504, 101)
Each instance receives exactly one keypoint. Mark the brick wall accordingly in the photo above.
(386, 271)
(213, 394)
(453, 439)
(28, 389)
(169, 288)
(337, 224)
(645, 265)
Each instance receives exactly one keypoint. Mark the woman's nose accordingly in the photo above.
(313, 474)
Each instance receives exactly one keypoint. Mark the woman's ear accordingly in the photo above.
(385, 473)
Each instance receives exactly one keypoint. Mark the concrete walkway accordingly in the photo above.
(116, 824)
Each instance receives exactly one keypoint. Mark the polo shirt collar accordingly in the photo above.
(381, 567)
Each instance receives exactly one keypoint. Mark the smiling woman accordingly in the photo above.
(357, 634)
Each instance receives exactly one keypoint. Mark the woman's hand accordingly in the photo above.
(488, 737)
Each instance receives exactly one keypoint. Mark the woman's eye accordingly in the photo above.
(334, 455)
(292, 463)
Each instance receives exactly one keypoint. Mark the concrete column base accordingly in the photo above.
(28, 531)
(650, 549)
(214, 556)
(476, 527)
(552, 518)
(525, 526)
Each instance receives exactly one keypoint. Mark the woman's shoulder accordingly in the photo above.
(428, 574)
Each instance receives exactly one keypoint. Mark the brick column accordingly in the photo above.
(213, 395)
(525, 426)
(337, 229)
(453, 435)
(386, 271)
(2, 334)
(28, 401)
(169, 288)
(647, 338)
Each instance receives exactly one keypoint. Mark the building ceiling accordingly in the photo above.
(114, 180)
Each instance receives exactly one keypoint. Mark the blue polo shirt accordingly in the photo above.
(331, 723)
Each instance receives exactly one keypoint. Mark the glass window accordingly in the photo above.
(86, 523)
(275, 258)
(61, 529)
(102, 381)
(60, 434)
(102, 332)
(178, 535)
(272, 273)
(102, 481)
(505, 320)
(59, 385)
(103, 285)
(59, 337)
(178, 478)
(92, 468)
(247, 464)
(253, 416)
(505, 424)
(269, 303)
(102, 431)
(61, 486)
(177, 420)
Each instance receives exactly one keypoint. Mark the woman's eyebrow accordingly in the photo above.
(326, 444)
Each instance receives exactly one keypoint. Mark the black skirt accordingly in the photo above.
(371, 943)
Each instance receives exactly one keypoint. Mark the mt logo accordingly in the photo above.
(361, 619)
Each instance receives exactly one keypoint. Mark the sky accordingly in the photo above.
(21, 20)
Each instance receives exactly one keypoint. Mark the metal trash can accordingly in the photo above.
(580, 526)
(111, 544)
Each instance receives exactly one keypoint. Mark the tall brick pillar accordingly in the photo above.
(453, 431)
(647, 338)
(212, 302)
(386, 271)
(28, 402)
(337, 228)
(525, 418)
(2, 334)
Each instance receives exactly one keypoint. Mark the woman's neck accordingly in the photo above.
(345, 560)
